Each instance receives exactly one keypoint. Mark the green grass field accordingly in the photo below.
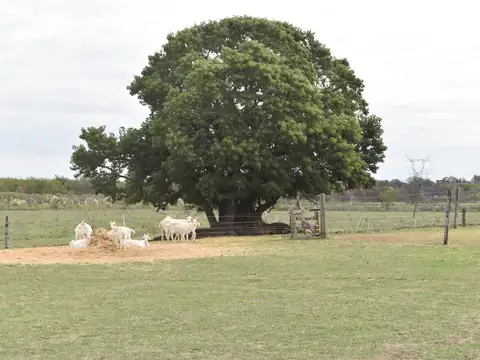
(358, 296)
(29, 228)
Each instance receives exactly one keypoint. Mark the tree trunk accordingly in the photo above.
(239, 217)
(247, 220)
(226, 215)
(212, 220)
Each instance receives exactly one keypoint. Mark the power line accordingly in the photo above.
(417, 176)
(418, 172)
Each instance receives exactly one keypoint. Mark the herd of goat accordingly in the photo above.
(172, 229)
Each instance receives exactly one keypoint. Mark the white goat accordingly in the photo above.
(138, 243)
(165, 225)
(82, 229)
(81, 243)
(122, 233)
(183, 228)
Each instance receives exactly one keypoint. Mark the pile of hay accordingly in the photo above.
(102, 241)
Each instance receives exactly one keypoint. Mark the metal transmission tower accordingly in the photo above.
(418, 168)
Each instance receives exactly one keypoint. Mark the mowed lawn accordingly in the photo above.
(31, 228)
(399, 296)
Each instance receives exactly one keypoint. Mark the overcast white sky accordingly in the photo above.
(66, 64)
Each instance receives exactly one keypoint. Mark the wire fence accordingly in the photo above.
(47, 227)
(426, 201)
(55, 228)
(364, 214)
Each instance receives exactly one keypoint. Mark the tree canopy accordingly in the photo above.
(243, 111)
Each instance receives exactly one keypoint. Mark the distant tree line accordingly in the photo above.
(385, 191)
(58, 185)
(415, 189)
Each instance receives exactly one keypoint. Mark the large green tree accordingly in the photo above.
(242, 111)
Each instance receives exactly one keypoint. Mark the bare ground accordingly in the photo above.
(67, 255)
(217, 246)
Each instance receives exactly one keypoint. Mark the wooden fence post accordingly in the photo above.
(464, 217)
(318, 219)
(293, 224)
(323, 217)
(447, 218)
(455, 213)
(6, 232)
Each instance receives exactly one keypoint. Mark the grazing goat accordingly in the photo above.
(122, 233)
(81, 243)
(172, 234)
(165, 225)
(183, 228)
(138, 243)
(81, 229)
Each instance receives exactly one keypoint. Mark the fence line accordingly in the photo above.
(51, 227)
(362, 218)
(356, 221)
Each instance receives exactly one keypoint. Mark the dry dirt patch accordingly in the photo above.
(67, 255)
